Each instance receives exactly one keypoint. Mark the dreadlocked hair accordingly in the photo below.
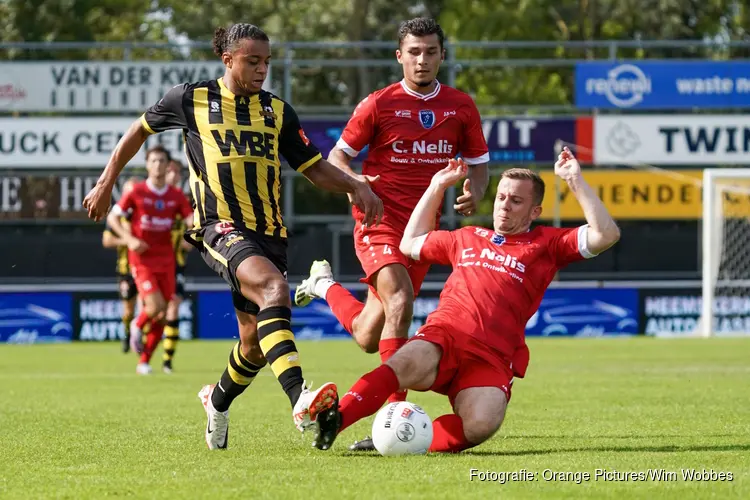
(225, 40)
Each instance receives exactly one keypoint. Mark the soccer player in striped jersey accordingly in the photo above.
(235, 133)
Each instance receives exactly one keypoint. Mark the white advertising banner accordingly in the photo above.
(82, 86)
(672, 139)
(73, 142)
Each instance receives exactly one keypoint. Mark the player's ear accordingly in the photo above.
(398, 55)
(226, 58)
(536, 212)
(442, 56)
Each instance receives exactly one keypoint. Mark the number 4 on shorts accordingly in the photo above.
(387, 250)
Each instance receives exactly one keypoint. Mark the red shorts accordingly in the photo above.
(377, 247)
(148, 281)
(465, 363)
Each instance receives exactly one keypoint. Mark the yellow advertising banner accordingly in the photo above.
(634, 194)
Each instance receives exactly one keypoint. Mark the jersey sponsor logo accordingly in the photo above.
(154, 223)
(426, 118)
(250, 142)
(449, 113)
(403, 113)
(494, 261)
(267, 112)
(423, 147)
(215, 107)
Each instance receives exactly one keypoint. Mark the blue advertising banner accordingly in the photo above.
(586, 312)
(216, 319)
(511, 140)
(663, 84)
(28, 318)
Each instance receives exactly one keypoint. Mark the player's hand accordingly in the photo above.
(450, 175)
(567, 167)
(466, 204)
(138, 246)
(98, 201)
(367, 201)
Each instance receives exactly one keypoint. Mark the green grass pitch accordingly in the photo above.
(78, 423)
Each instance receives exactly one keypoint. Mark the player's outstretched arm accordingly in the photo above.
(602, 232)
(326, 176)
(99, 199)
(422, 220)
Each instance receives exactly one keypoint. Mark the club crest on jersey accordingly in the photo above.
(498, 239)
(159, 204)
(426, 118)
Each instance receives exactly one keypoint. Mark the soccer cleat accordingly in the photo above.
(126, 343)
(311, 403)
(327, 427)
(305, 292)
(143, 369)
(217, 428)
(136, 338)
(364, 445)
(167, 367)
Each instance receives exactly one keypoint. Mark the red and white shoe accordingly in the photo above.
(217, 428)
(312, 403)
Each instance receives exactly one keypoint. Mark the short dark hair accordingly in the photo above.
(528, 175)
(158, 149)
(225, 40)
(419, 27)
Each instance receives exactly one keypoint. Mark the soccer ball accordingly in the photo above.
(402, 429)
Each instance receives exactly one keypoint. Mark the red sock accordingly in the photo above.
(388, 348)
(152, 341)
(344, 306)
(142, 319)
(367, 395)
(448, 435)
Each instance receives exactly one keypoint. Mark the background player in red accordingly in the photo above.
(412, 128)
(473, 344)
(153, 206)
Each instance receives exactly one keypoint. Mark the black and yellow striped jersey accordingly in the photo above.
(122, 266)
(178, 231)
(233, 145)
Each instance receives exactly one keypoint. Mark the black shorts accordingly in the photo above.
(225, 248)
(126, 288)
(179, 279)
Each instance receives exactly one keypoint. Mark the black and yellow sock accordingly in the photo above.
(171, 336)
(238, 375)
(126, 320)
(277, 343)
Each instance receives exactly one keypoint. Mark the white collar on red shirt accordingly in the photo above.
(155, 190)
(421, 96)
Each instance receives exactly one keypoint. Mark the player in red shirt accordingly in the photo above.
(153, 206)
(412, 128)
(473, 344)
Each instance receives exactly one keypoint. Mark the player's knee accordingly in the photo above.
(276, 292)
(369, 344)
(415, 365)
(479, 428)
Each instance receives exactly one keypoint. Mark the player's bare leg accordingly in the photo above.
(154, 308)
(479, 412)
(363, 321)
(262, 283)
(171, 332)
(415, 366)
(245, 361)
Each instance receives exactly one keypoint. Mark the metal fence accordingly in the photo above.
(292, 60)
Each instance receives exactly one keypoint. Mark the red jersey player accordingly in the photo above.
(412, 128)
(472, 345)
(153, 206)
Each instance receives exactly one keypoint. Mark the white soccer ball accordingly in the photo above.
(402, 429)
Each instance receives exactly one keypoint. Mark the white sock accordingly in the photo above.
(321, 287)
